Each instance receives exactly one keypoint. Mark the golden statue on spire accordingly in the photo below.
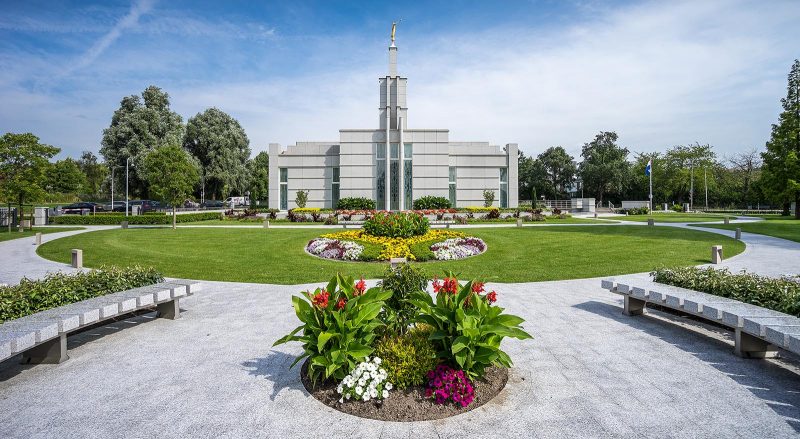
(394, 27)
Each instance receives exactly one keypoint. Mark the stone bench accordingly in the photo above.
(42, 337)
(758, 331)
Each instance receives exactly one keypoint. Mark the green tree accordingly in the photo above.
(258, 170)
(171, 174)
(559, 169)
(684, 170)
(221, 145)
(137, 127)
(781, 171)
(94, 171)
(23, 167)
(605, 165)
(65, 177)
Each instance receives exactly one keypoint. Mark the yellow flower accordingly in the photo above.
(395, 247)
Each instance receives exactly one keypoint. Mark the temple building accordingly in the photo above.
(393, 164)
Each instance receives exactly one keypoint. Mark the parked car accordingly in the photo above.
(119, 206)
(146, 206)
(190, 203)
(83, 206)
(237, 201)
(212, 204)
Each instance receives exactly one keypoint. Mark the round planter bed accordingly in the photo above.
(407, 405)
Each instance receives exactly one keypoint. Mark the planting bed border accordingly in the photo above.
(485, 249)
(407, 405)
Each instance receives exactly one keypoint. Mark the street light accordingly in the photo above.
(127, 160)
(112, 187)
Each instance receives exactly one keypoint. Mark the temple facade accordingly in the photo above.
(392, 164)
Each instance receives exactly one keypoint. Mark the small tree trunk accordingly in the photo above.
(797, 205)
(174, 217)
(786, 209)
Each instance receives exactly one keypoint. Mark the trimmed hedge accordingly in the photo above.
(111, 220)
(355, 203)
(778, 294)
(58, 289)
(431, 202)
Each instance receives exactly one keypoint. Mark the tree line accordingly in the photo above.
(691, 173)
(210, 154)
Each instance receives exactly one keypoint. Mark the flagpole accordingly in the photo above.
(651, 185)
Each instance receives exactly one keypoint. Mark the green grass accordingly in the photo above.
(277, 255)
(6, 236)
(777, 227)
(675, 217)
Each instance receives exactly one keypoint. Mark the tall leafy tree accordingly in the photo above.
(171, 174)
(559, 169)
(94, 171)
(219, 142)
(781, 172)
(23, 167)
(684, 169)
(605, 165)
(138, 126)
(258, 170)
(65, 177)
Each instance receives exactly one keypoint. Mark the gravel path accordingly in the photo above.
(589, 372)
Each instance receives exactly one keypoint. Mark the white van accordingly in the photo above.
(237, 201)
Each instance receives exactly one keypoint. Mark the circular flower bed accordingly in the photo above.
(458, 248)
(335, 249)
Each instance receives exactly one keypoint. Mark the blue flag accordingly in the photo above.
(648, 168)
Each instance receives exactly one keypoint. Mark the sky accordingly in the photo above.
(536, 73)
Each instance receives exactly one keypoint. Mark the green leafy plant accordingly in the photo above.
(396, 224)
(115, 219)
(407, 358)
(431, 202)
(467, 327)
(779, 294)
(355, 203)
(488, 197)
(57, 289)
(301, 198)
(401, 281)
(339, 325)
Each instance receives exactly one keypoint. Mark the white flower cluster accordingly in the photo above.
(367, 381)
(335, 249)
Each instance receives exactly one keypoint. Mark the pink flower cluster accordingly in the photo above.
(445, 383)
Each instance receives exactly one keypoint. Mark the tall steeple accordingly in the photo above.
(392, 92)
(393, 54)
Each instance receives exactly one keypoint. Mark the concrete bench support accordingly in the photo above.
(50, 352)
(633, 306)
(266, 224)
(739, 233)
(748, 346)
(169, 310)
(38, 238)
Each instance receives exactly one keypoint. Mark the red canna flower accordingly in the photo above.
(450, 285)
(477, 287)
(437, 286)
(341, 303)
(320, 299)
(492, 297)
(360, 287)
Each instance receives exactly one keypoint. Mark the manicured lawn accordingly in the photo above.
(675, 217)
(278, 256)
(6, 236)
(777, 227)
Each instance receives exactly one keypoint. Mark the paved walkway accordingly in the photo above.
(589, 372)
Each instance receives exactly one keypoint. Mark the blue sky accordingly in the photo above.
(538, 73)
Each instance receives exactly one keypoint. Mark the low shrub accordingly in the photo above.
(478, 209)
(467, 327)
(93, 220)
(396, 224)
(407, 358)
(677, 208)
(331, 220)
(488, 198)
(306, 210)
(778, 294)
(643, 210)
(431, 202)
(339, 324)
(58, 289)
(493, 213)
(401, 281)
(301, 198)
(355, 203)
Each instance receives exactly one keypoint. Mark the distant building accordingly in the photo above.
(393, 164)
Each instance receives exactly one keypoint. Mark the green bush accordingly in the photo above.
(488, 198)
(355, 203)
(401, 281)
(467, 327)
(338, 325)
(422, 250)
(431, 202)
(57, 289)
(94, 220)
(778, 294)
(396, 224)
(644, 210)
(677, 208)
(407, 358)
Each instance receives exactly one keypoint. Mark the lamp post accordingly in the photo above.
(112, 187)
(127, 160)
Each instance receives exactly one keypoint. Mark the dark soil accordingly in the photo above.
(409, 404)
